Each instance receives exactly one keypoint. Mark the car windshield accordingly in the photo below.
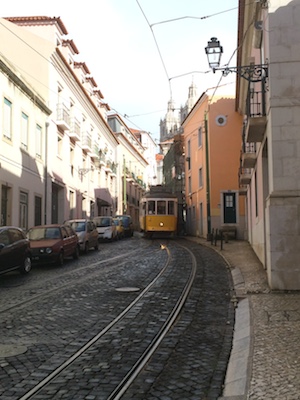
(44, 233)
(124, 219)
(103, 222)
(78, 226)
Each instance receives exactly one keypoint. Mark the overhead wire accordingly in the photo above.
(235, 50)
(157, 46)
(156, 43)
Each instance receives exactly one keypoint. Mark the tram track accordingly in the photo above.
(123, 338)
(150, 338)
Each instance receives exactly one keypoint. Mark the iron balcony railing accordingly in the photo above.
(256, 100)
(63, 114)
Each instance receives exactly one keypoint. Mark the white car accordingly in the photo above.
(86, 232)
(106, 228)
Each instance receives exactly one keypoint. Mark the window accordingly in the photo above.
(38, 141)
(7, 119)
(23, 210)
(37, 210)
(72, 203)
(151, 207)
(24, 131)
(171, 208)
(200, 136)
(161, 207)
(190, 185)
(59, 146)
(189, 155)
(200, 177)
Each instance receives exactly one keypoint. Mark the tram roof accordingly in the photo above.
(159, 195)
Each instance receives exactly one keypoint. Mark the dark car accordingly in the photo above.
(53, 243)
(127, 224)
(14, 250)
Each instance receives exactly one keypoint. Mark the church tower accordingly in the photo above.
(170, 124)
(192, 98)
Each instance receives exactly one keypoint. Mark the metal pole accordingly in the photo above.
(124, 187)
(207, 178)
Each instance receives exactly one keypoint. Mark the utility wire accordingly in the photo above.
(158, 49)
(186, 17)
(231, 57)
(157, 46)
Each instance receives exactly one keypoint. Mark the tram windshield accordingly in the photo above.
(159, 207)
(151, 207)
(171, 208)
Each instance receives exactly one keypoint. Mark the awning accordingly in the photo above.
(103, 197)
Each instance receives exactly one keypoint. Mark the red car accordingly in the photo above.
(53, 243)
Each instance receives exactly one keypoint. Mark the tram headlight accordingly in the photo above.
(161, 224)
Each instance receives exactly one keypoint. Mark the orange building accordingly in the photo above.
(212, 137)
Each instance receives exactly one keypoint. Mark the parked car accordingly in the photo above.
(127, 224)
(119, 228)
(14, 250)
(106, 228)
(53, 243)
(87, 233)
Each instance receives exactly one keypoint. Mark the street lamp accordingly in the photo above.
(83, 171)
(252, 73)
(214, 53)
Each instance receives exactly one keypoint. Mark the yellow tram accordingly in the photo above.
(158, 212)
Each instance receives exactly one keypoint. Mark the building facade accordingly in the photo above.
(269, 34)
(212, 139)
(132, 167)
(70, 148)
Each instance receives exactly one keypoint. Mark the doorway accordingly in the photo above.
(229, 207)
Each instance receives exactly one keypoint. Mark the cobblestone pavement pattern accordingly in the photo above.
(265, 359)
(189, 364)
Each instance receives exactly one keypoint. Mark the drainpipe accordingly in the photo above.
(46, 172)
(124, 187)
(207, 179)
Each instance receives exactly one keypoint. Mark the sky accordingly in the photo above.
(142, 53)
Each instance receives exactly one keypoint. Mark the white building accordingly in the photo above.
(132, 169)
(65, 117)
(269, 35)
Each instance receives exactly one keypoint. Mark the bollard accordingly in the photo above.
(221, 240)
(216, 237)
(226, 237)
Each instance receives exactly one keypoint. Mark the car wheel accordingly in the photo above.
(60, 260)
(76, 253)
(26, 267)
(86, 248)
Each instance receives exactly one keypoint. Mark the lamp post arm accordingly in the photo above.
(252, 73)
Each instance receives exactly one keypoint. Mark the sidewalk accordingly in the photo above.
(265, 358)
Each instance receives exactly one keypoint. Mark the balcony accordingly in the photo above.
(74, 131)
(243, 190)
(102, 159)
(108, 166)
(256, 114)
(62, 117)
(248, 155)
(86, 142)
(244, 176)
(94, 153)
